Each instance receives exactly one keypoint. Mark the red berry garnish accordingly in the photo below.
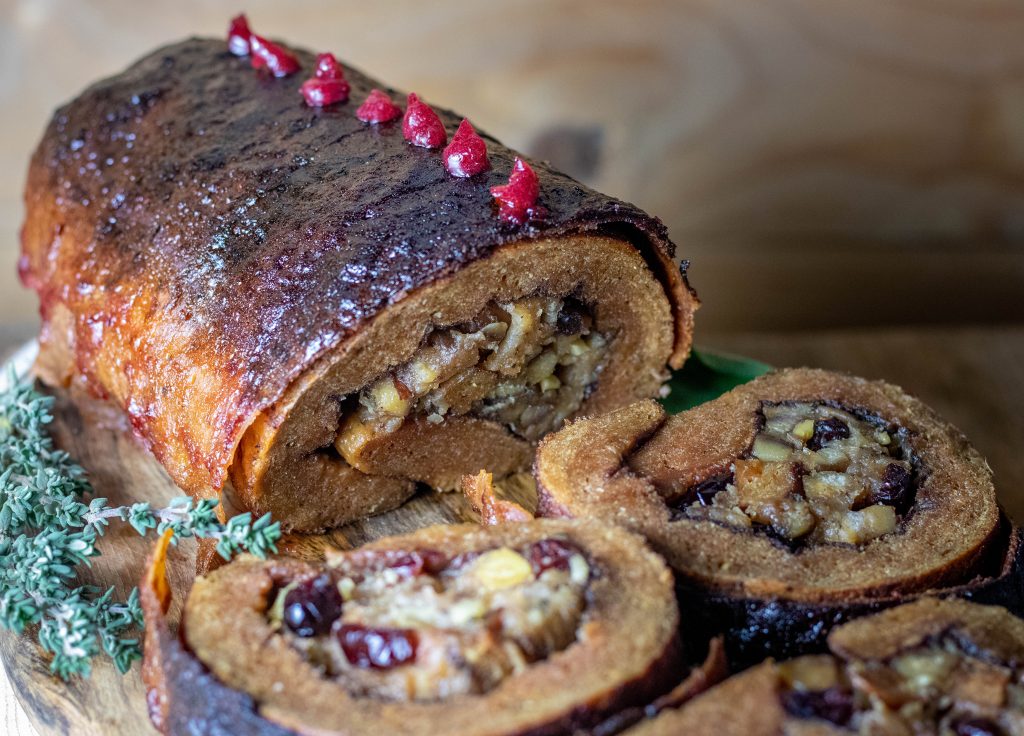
(550, 554)
(466, 155)
(312, 606)
(378, 108)
(238, 35)
(269, 55)
(328, 85)
(379, 648)
(421, 125)
(516, 199)
(323, 92)
(327, 67)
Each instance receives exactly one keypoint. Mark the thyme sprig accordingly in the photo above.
(50, 522)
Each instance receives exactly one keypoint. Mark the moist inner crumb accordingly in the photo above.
(936, 688)
(423, 626)
(815, 473)
(528, 365)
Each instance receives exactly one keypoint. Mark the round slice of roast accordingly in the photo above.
(791, 503)
(535, 628)
(308, 315)
(929, 667)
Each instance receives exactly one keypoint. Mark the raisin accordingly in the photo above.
(704, 492)
(378, 108)
(570, 318)
(421, 125)
(833, 705)
(550, 554)
(894, 490)
(377, 648)
(516, 200)
(466, 155)
(976, 727)
(312, 606)
(827, 430)
(417, 562)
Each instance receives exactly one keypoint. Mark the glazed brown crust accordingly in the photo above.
(609, 467)
(626, 653)
(200, 239)
(748, 704)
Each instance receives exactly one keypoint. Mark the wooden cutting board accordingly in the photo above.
(122, 471)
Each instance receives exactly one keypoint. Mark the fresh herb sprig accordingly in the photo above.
(50, 522)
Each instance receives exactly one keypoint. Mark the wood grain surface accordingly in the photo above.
(975, 377)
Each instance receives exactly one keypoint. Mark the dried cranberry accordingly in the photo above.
(894, 489)
(312, 606)
(466, 155)
(378, 108)
(550, 554)
(976, 727)
(833, 705)
(275, 58)
(421, 125)
(417, 562)
(323, 92)
(826, 430)
(238, 35)
(517, 198)
(377, 648)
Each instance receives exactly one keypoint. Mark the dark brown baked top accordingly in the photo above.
(213, 236)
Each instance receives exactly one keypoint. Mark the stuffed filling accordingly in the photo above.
(423, 626)
(815, 473)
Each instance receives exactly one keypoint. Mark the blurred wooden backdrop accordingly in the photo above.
(821, 163)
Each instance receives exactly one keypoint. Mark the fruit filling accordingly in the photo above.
(815, 473)
(934, 689)
(423, 626)
(528, 365)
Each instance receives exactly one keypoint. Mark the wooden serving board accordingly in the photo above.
(121, 470)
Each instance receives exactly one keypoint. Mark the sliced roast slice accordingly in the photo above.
(539, 627)
(929, 667)
(791, 503)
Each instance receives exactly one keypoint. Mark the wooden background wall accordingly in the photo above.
(821, 163)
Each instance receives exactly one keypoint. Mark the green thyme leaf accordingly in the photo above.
(49, 523)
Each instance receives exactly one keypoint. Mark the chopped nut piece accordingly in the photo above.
(867, 524)
(770, 449)
(804, 430)
(502, 568)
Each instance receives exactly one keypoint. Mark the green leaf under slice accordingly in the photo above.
(706, 375)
